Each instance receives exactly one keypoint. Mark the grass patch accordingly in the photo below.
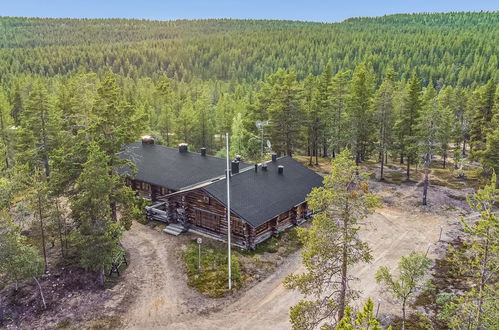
(211, 279)
(449, 178)
(285, 243)
(108, 322)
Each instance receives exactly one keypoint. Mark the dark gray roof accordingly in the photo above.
(259, 196)
(167, 167)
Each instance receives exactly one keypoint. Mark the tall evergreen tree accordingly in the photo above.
(6, 130)
(406, 125)
(284, 112)
(166, 117)
(360, 113)
(482, 115)
(39, 127)
(383, 103)
(98, 234)
(337, 121)
(331, 246)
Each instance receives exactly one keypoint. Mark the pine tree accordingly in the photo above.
(324, 109)
(98, 235)
(310, 112)
(360, 112)
(365, 319)
(338, 124)
(406, 125)
(115, 123)
(428, 133)
(384, 112)
(477, 308)
(284, 112)
(166, 117)
(482, 115)
(331, 245)
(39, 128)
(6, 131)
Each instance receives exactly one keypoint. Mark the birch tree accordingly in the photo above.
(412, 270)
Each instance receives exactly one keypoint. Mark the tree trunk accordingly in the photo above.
(408, 168)
(344, 264)
(445, 158)
(464, 147)
(381, 177)
(1, 309)
(482, 282)
(41, 293)
(101, 277)
(425, 187)
(401, 159)
(403, 314)
(42, 231)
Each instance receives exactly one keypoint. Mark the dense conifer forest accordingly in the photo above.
(403, 87)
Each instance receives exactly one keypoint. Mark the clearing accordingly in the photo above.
(162, 298)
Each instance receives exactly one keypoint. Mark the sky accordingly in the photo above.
(305, 10)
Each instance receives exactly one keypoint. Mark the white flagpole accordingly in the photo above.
(228, 210)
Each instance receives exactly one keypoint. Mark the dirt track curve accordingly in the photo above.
(162, 299)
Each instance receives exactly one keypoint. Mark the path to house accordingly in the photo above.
(163, 299)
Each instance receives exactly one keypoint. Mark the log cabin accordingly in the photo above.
(188, 191)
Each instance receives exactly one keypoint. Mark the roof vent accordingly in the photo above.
(235, 167)
(264, 167)
(203, 151)
(147, 139)
(274, 157)
(256, 168)
(280, 169)
(183, 147)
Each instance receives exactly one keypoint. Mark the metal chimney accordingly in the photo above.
(274, 157)
(183, 147)
(280, 169)
(234, 167)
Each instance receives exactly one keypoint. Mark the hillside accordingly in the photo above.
(454, 48)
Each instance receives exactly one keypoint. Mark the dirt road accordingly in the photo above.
(163, 300)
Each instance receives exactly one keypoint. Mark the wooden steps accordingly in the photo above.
(174, 229)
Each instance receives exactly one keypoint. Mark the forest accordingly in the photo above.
(403, 88)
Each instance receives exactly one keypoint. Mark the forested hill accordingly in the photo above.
(454, 49)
